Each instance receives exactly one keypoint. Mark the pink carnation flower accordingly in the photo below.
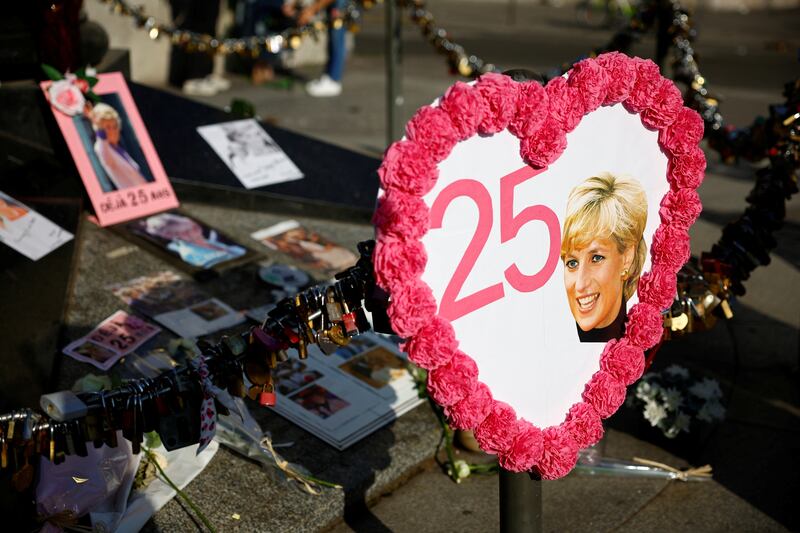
(591, 80)
(644, 327)
(545, 145)
(497, 431)
(408, 167)
(665, 107)
(454, 381)
(670, 247)
(532, 108)
(525, 450)
(559, 454)
(396, 262)
(644, 91)
(412, 306)
(686, 171)
(433, 345)
(566, 105)
(584, 425)
(499, 93)
(622, 360)
(466, 108)
(432, 128)
(657, 287)
(680, 208)
(621, 76)
(604, 393)
(401, 215)
(684, 134)
(472, 410)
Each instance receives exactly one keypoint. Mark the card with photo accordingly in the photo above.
(310, 249)
(28, 232)
(114, 155)
(177, 304)
(186, 241)
(250, 153)
(115, 337)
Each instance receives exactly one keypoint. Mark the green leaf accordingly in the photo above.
(93, 97)
(52, 72)
(91, 80)
(81, 73)
(152, 440)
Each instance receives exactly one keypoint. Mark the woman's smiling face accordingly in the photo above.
(593, 277)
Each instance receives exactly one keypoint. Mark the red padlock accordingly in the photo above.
(267, 397)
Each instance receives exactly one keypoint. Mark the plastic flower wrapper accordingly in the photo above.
(243, 435)
(98, 484)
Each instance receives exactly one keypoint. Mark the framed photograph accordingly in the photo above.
(186, 242)
(117, 162)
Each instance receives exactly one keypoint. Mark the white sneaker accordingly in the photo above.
(200, 87)
(220, 83)
(323, 87)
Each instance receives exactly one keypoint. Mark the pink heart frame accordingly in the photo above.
(540, 117)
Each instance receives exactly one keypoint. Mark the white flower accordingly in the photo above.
(647, 391)
(682, 421)
(708, 389)
(677, 371)
(654, 413)
(672, 397)
(711, 410)
(461, 470)
(66, 97)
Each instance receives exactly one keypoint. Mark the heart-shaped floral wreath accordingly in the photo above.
(540, 117)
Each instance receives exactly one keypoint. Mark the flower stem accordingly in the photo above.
(179, 492)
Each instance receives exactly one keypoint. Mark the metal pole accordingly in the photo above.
(394, 60)
(520, 503)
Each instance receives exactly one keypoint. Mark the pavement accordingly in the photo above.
(755, 356)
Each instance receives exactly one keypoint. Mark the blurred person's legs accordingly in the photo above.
(191, 71)
(330, 83)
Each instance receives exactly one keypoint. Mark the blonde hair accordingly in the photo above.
(609, 207)
(103, 111)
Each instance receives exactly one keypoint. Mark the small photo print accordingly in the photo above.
(307, 247)
(209, 311)
(28, 232)
(294, 375)
(377, 367)
(319, 401)
(95, 352)
(188, 239)
(250, 153)
(158, 294)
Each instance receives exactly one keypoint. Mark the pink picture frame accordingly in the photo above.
(115, 156)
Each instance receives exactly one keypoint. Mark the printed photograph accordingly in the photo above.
(95, 352)
(377, 368)
(319, 401)
(209, 311)
(111, 144)
(250, 153)
(10, 210)
(294, 375)
(309, 248)
(195, 243)
(158, 294)
(603, 252)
